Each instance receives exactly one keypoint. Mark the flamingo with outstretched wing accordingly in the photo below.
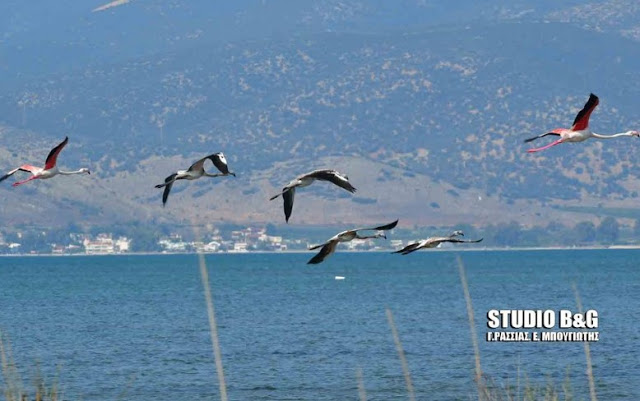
(579, 131)
(49, 170)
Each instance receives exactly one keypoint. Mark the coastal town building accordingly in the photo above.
(104, 244)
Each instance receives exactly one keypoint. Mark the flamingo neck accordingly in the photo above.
(70, 172)
(610, 136)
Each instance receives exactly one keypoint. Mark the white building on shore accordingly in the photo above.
(104, 244)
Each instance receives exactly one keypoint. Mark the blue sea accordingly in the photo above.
(136, 327)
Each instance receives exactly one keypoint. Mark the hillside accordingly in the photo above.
(429, 125)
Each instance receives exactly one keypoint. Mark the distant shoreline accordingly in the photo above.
(485, 249)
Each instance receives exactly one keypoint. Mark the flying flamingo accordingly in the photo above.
(304, 180)
(433, 242)
(329, 246)
(580, 130)
(48, 171)
(195, 171)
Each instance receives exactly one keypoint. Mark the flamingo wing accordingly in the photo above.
(53, 155)
(541, 136)
(311, 248)
(334, 177)
(165, 193)
(288, 196)
(217, 159)
(326, 250)
(409, 248)
(25, 167)
(168, 183)
(389, 226)
(168, 180)
(199, 165)
(468, 241)
(582, 119)
(220, 162)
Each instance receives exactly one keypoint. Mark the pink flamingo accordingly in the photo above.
(48, 171)
(580, 130)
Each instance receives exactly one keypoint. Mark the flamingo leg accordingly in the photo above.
(554, 143)
(15, 184)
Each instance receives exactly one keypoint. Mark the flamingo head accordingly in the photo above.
(634, 133)
(457, 233)
(381, 235)
(85, 170)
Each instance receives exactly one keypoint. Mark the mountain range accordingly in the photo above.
(425, 106)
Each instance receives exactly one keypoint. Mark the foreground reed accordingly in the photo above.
(488, 390)
(472, 326)
(14, 390)
(211, 315)
(587, 352)
(213, 327)
(362, 393)
(401, 356)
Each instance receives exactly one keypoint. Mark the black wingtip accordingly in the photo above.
(389, 226)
